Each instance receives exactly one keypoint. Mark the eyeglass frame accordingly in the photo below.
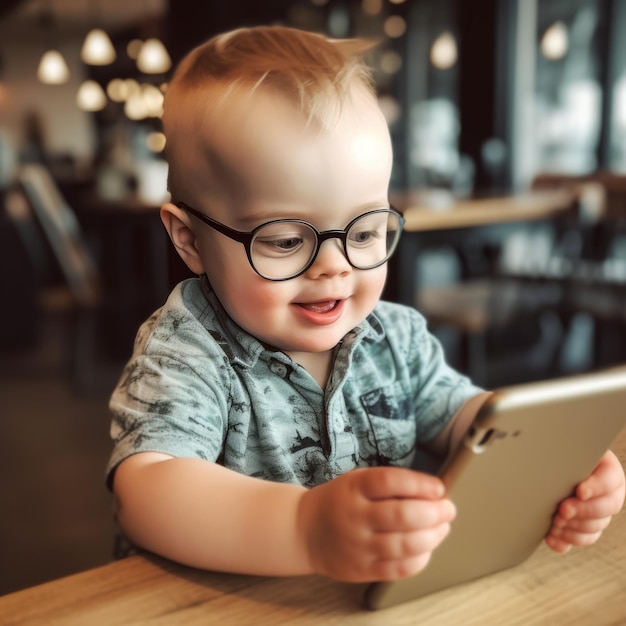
(246, 237)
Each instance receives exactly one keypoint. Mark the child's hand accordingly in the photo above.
(580, 520)
(379, 523)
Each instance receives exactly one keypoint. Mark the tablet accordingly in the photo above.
(527, 449)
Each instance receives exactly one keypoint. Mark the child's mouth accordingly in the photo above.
(322, 312)
(319, 307)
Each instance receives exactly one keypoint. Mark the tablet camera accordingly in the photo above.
(479, 439)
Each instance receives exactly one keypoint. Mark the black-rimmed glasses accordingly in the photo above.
(284, 249)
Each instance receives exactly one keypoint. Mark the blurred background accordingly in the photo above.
(492, 105)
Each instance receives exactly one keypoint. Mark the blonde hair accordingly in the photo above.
(316, 73)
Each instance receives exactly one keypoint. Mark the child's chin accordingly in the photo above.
(318, 341)
(316, 347)
(325, 348)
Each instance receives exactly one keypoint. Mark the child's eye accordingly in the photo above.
(362, 237)
(269, 245)
(287, 244)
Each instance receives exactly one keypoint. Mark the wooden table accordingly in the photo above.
(586, 587)
(427, 226)
(530, 206)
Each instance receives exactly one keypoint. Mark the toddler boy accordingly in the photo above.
(272, 406)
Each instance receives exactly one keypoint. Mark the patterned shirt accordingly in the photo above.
(199, 386)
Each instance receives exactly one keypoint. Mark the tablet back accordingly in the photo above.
(528, 448)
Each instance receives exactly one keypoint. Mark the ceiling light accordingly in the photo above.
(394, 26)
(555, 42)
(118, 90)
(390, 62)
(135, 108)
(91, 96)
(133, 47)
(444, 52)
(97, 48)
(156, 141)
(153, 58)
(153, 100)
(53, 69)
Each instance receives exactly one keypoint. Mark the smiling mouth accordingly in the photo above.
(320, 307)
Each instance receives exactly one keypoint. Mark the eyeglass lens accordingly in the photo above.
(284, 249)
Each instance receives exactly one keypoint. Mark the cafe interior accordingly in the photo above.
(508, 121)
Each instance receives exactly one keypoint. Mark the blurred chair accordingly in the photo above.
(505, 324)
(82, 279)
(509, 320)
(20, 314)
(597, 284)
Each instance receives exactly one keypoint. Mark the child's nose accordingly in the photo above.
(330, 261)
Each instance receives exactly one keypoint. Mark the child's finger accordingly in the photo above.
(394, 569)
(579, 525)
(606, 506)
(557, 544)
(572, 537)
(404, 515)
(404, 545)
(379, 483)
(607, 476)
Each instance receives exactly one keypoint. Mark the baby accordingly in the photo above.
(269, 415)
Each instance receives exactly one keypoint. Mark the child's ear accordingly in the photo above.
(177, 224)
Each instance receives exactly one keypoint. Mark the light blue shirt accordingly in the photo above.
(199, 386)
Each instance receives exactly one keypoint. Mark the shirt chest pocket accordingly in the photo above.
(392, 429)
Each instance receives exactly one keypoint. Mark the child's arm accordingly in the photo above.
(369, 524)
(580, 520)
(447, 441)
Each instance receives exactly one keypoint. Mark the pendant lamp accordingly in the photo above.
(52, 69)
(153, 57)
(444, 51)
(91, 96)
(97, 48)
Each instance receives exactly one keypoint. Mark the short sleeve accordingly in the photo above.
(438, 390)
(171, 398)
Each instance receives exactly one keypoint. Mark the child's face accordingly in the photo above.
(272, 167)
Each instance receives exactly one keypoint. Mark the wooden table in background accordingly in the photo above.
(523, 207)
(427, 226)
(586, 587)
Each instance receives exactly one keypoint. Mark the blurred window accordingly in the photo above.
(617, 124)
(568, 85)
